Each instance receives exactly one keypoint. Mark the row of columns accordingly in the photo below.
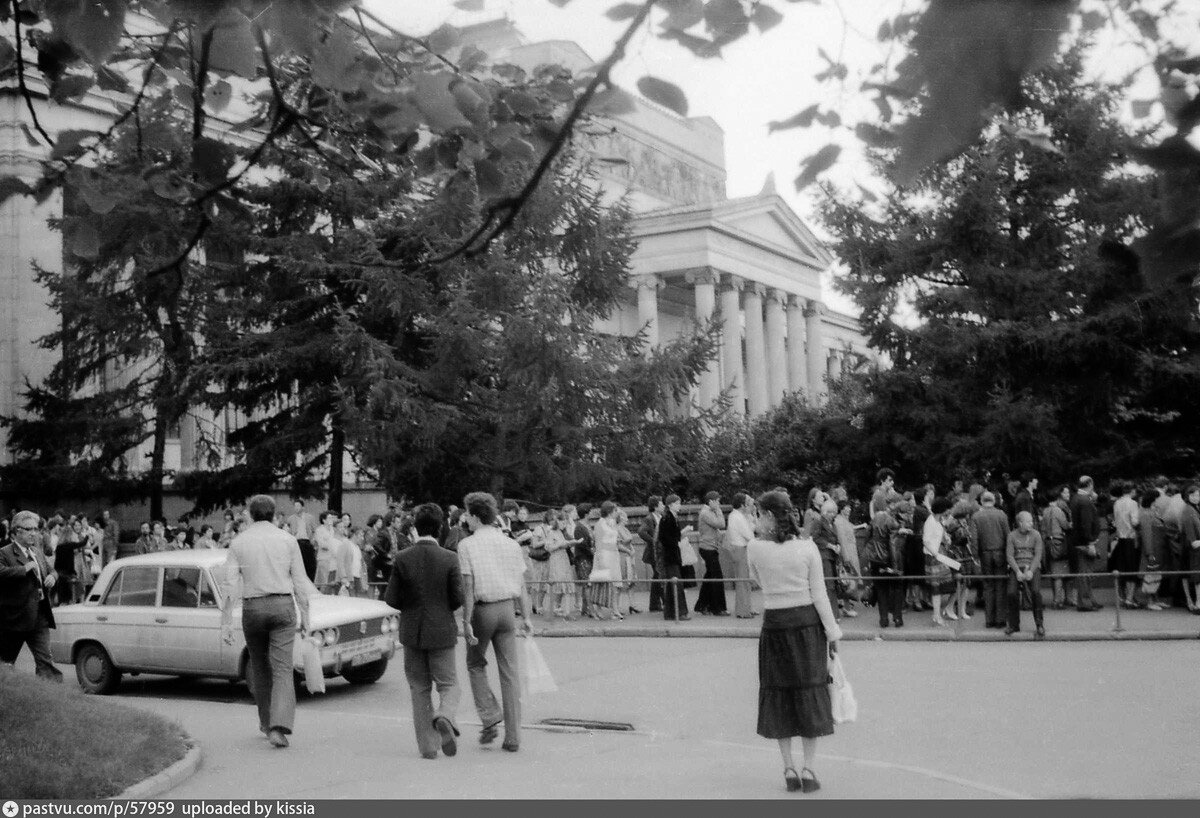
(783, 332)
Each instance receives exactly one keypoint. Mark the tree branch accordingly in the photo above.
(507, 210)
(16, 12)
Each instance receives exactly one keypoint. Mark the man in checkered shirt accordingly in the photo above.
(493, 572)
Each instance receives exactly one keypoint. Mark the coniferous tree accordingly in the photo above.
(1021, 331)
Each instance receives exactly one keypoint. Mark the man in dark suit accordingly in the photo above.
(1085, 534)
(669, 535)
(26, 580)
(649, 535)
(426, 587)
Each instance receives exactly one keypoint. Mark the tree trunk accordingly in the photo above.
(337, 456)
(157, 456)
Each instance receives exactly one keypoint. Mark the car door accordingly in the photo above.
(125, 617)
(189, 622)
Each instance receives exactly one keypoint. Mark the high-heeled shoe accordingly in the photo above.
(949, 614)
(809, 784)
(792, 779)
(617, 616)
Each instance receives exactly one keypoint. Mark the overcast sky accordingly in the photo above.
(761, 78)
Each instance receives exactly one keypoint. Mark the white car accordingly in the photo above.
(161, 613)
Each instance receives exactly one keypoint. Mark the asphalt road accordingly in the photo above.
(937, 720)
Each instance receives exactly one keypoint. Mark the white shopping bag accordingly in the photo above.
(841, 695)
(535, 674)
(314, 676)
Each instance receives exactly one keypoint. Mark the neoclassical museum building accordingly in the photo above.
(698, 250)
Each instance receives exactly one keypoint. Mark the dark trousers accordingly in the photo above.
(1014, 590)
(269, 625)
(495, 624)
(674, 600)
(656, 590)
(712, 594)
(38, 640)
(993, 562)
(309, 555)
(889, 598)
(1083, 585)
(424, 669)
(583, 570)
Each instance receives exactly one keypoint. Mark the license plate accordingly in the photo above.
(367, 658)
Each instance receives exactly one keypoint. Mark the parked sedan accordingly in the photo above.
(161, 613)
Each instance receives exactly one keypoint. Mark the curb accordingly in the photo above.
(889, 636)
(169, 778)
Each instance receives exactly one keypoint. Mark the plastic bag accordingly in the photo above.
(841, 695)
(314, 674)
(687, 553)
(535, 673)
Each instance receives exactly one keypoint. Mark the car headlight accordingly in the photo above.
(331, 636)
(385, 624)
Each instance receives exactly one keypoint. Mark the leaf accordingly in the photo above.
(623, 11)
(168, 187)
(804, 119)
(70, 86)
(443, 39)
(519, 150)
(700, 46)
(1038, 139)
(1142, 107)
(612, 102)
(110, 80)
(815, 165)
(98, 200)
(471, 59)
(83, 240)
(1187, 117)
(874, 135)
(1175, 153)
(234, 49)
(8, 55)
(469, 5)
(522, 104)
(682, 14)
(830, 119)
(561, 91)
(12, 186)
(726, 19)
(436, 102)
(217, 95)
(321, 182)
(664, 93)
(211, 160)
(488, 179)
(335, 63)
(93, 27)
(68, 142)
(765, 18)
(1092, 21)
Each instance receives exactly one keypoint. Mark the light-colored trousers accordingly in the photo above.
(495, 624)
(741, 590)
(425, 669)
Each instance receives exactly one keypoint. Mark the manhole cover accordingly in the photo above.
(588, 724)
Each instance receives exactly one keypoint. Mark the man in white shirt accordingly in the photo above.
(739, 533)
(266, 571)
(326, 540)
(493, 574)
(302, 526)
(1125, 521)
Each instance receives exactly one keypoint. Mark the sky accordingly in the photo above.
(761, 78)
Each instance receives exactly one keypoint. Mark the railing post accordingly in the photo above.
(1117, 607)
(959, 590)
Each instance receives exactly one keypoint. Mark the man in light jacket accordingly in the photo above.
(739, 532)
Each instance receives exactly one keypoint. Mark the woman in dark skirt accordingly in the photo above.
(799, 636)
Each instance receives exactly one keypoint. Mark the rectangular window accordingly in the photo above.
(181, 588)
(136, 585)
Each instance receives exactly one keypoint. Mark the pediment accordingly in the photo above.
(769, 219)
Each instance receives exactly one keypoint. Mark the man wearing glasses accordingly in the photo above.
(25, 582)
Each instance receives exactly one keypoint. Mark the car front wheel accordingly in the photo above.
(95, 671)
(365, 674)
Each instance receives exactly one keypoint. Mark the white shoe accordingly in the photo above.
(951, 616)
(849, 613)
(1154, 606)
(966, 616)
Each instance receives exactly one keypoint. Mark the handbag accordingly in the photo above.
(538, 553)
(314, 674)
(841, 694)
(687, 554)
(535, 673)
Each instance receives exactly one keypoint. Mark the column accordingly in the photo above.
(756, 352)
(731, 344)
(815, 348)
(777, 367)
(797, 364)
(704, 286)
(647, 305)
(188, 441)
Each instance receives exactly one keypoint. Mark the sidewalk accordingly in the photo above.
(1067, 625)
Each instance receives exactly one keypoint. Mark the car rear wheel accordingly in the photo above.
(365, 674)
(95, 671)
